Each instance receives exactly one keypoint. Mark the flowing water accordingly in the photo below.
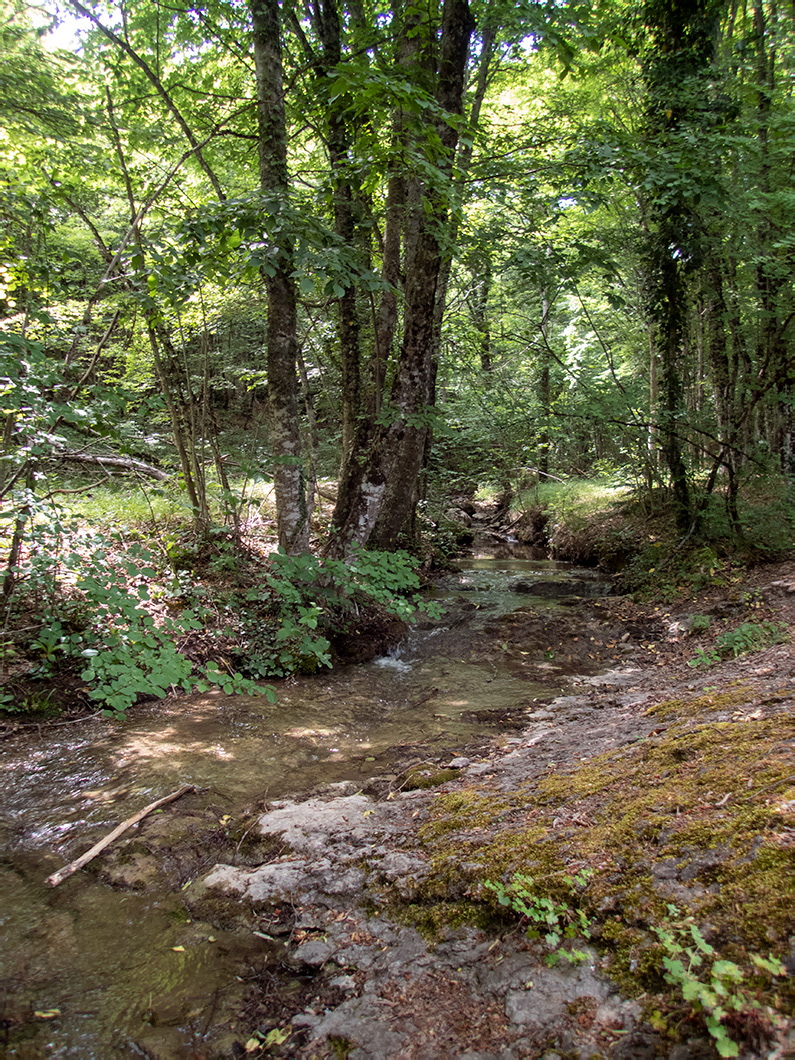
(85, 967)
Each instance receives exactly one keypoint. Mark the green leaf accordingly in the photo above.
(726, 1047)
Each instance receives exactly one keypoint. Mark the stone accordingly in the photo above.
(311, 826)
(315, 952)
(365, 1022)
(277, 882)
(553, 988)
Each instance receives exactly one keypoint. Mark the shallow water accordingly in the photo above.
(105, 957)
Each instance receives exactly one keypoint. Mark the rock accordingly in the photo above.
(636, 1046)
(343, 982)
(305, 1019)
(398, 865)
(552, 989)
(458, 515)
(363, 1021)
(276, 882)
(310, 827)
(315, 952)
(618, 1014)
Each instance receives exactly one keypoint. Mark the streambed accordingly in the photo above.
(110, 964)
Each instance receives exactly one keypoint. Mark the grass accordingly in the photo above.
(155, 506)
(575, 500)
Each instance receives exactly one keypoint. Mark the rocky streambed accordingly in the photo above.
(350, 914)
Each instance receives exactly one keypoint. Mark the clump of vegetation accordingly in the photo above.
(553, 922)
(122, 618)
(747, 637)
(714, 987)
(89, 603)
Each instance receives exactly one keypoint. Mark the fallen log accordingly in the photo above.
(123, 463)
(78, 863)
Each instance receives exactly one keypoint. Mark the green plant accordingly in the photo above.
(9, 702)
(704, 658)
(550, 920)
(304, 597)
(711, 985)
(750, 636)
(124, 653)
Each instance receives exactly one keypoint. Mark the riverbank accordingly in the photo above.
(356, 919)
(669, 785)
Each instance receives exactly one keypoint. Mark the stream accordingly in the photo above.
(96, 968)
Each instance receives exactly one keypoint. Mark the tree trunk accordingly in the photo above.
(682, 47)
(363, 394)
(385, 495)
(282, 341)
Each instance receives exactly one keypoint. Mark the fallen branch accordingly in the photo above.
(105, 462)
(78, 863)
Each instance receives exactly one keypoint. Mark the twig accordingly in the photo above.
(50, 724)
(78, 863)
(769, 787)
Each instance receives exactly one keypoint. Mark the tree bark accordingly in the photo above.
(411, 394)
(386, 493)
(681, 50)
(357, 443)
(282, 341)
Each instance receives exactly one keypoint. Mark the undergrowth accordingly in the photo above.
(124, 614)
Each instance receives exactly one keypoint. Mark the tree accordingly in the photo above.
(280, 285)
(385, 492)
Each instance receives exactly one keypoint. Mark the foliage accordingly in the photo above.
(306, 597)
(747, 637)
(549, 919)
(92, 596)
(713, 987)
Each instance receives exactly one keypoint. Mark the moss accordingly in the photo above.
(341, 1047)
(420, 778)
(433, 919)
(666, 708)
(689, 816)
(462, 810)
(698, 706)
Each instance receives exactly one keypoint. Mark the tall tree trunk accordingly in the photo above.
(414, 384)
(339, 143)
(682, 45)
(724, 382)
(771, 352)
(282, 340)
(544, 388)
(386, 493)
(361, 412)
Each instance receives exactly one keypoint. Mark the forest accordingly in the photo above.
(320, 278)
(299, 302)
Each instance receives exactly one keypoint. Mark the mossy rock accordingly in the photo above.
(421, 778)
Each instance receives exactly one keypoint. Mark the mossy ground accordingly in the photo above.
(694, 821)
